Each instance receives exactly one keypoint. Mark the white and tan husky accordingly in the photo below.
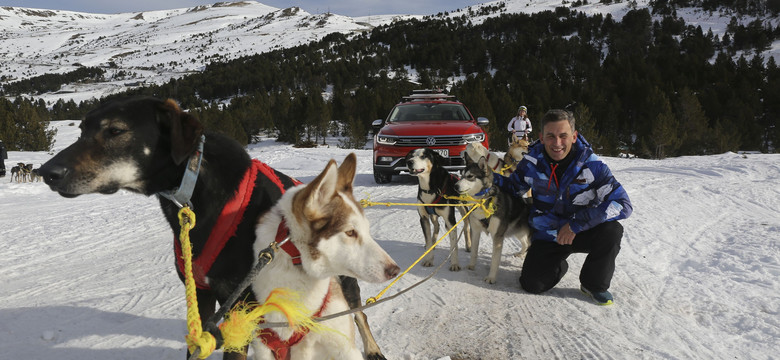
(330, 231)
(504, 166)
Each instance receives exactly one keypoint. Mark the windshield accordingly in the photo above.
(429, 112)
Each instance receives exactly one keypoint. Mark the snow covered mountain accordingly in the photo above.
(144, 47)
(155, 46)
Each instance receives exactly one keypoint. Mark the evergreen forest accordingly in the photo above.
(649, 85)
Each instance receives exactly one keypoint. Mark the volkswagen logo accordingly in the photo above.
(430, 141)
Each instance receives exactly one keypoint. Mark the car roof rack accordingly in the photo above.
(428, 95)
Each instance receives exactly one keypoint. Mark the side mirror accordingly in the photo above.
(376, 125)
(482, 121)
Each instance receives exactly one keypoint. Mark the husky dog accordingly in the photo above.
(434, 183)
(517, 149)
(330, 237)
(506, 165)
(510, 217)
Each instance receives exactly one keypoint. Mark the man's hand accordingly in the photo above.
(565, 235)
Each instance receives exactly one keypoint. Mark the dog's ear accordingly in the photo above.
(347, 173)
(317, 193)
(483, 165)
(185, 130)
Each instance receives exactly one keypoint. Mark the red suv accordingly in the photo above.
(429, 119)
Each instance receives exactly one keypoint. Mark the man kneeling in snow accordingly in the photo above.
(576, 202)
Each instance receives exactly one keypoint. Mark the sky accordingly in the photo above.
(352, 8)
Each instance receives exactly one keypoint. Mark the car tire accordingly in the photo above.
(381, 177)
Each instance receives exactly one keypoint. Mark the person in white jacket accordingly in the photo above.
(520, 125)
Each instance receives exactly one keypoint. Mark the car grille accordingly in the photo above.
(423, 141)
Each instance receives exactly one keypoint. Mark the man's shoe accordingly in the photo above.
(602, 298)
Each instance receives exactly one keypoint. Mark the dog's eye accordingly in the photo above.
(116, 131)
(351, 233)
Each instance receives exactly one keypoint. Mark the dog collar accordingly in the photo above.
(483, 192)
(181, 195)
(283, 241)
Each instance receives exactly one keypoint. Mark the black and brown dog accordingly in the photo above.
(436, 186)
(150, 146)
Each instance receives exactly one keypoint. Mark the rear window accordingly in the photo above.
(429, 112)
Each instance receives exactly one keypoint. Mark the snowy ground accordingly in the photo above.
(698, 276)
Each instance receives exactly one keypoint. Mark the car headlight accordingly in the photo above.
(470, 138)
(386, 140)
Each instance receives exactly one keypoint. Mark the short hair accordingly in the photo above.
(556, 115)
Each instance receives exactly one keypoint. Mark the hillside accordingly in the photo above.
(655, 79)
(153, 47)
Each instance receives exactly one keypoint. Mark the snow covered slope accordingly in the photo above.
(698, 276)
(155, 46)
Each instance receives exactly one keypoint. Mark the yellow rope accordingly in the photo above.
(366, 203)
(504, 168)
(487, 204)
(196, 338)
(489, 209)
(381, 293)
(241, 324)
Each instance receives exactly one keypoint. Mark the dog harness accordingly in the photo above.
(281, 348)
(227, 223)
(432, 209)
(498, 163)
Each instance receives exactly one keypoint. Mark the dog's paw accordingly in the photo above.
(427, 263)
(454, 267)
(490, 280)
(470, 267)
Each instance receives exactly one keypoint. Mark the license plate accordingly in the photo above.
(443, 152)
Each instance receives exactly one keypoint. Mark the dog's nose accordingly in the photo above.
(392, 271)
(53, 173)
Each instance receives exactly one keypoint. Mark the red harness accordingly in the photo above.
(281, 348)
(227, 223)
(498, 163)
(281, 234)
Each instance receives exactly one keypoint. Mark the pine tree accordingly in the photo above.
(694, 125)
(585, 125)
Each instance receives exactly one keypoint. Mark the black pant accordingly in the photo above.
(545, 264)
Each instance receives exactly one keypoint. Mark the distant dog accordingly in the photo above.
(25, 171)
(434, 183)
(328, 236)
(510, 217)
(15, 173)
(150, 146)
(35, 175)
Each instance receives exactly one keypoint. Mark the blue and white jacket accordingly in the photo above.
(586, 195)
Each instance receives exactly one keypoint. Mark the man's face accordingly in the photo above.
(558, 138)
